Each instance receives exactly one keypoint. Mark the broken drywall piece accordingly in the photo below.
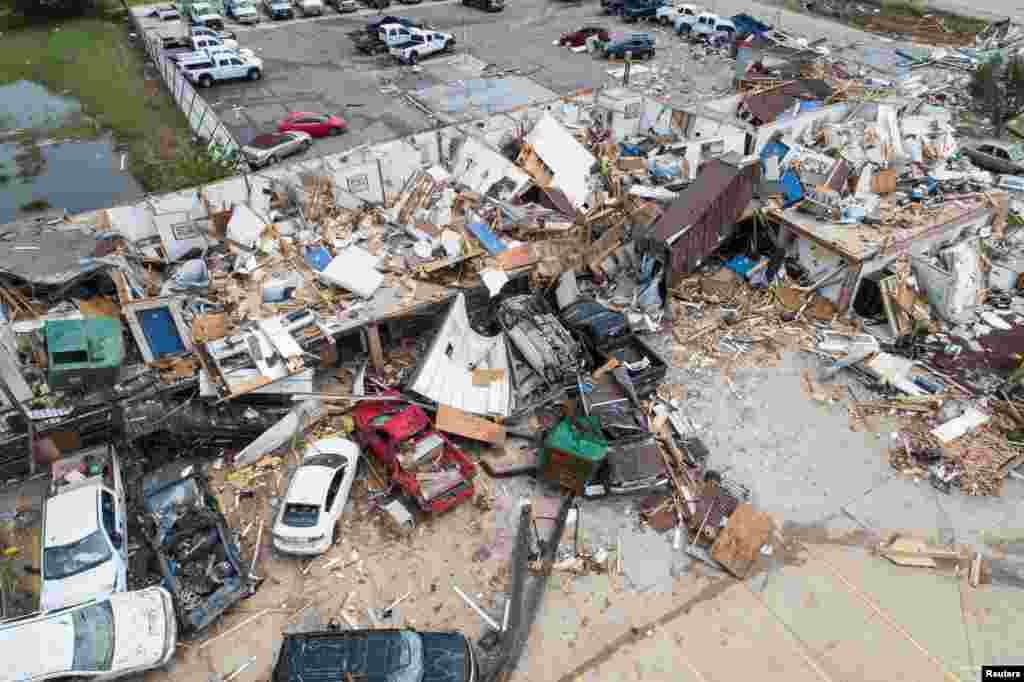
(494, 280)
(971, 419)
(952, 292)
(564, 161)
(354, 269)
(245, 227)
(301, 417)
(994, 320)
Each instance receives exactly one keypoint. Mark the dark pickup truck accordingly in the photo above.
(375, 655)
(634, 10)
(194, 551)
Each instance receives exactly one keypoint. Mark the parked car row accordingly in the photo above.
(686, 19)
(406, 40)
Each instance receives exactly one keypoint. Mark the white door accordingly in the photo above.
(238, 68)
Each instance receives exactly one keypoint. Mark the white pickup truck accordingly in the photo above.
(203, 14)
(200, 45)
(206, 70)
(667, 14)
(310, 8)
(421, 44)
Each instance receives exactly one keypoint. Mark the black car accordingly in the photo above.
(613, 7)
(374, 26)
(377, 655)
(194, 550)
(486, 5)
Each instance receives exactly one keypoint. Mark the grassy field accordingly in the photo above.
(92, 59)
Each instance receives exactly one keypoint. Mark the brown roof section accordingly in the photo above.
(690, 206)
(767, 106)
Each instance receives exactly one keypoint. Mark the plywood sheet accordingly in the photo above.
(739, 544)
(456, 421)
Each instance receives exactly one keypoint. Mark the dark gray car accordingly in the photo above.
(996, 156)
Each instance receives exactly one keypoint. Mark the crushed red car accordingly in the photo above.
(429, 468)
(579, 37)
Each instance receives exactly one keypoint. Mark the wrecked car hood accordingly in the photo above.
(140, 629)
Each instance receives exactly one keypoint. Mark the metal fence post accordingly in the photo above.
(191, 105)
(199, 126)
(213, 135)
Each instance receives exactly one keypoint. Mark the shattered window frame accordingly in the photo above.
(358, 183)
(174, 305)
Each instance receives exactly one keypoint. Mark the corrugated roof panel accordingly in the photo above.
(445, 375)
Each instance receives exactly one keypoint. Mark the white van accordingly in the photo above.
(85, 526)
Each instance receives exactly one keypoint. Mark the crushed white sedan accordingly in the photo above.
(120, 635)
(307, 519)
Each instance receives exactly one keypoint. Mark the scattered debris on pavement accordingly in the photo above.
(392, 338)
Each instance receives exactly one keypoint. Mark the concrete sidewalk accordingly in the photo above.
(831, 613)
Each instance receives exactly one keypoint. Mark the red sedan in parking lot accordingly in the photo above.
(578, 38)
(317, 125)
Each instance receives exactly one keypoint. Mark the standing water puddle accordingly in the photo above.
(76, 175)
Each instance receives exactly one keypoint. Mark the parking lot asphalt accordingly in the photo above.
(501, 61)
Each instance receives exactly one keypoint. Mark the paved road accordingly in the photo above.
(821, 608)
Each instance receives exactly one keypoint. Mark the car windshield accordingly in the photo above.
(94, 637)
(327, 459)
(64, 561)
(266, 141)
(300, 515)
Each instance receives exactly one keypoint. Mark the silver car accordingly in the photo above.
(266, 150)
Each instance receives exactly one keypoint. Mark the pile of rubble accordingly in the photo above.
(511, 298)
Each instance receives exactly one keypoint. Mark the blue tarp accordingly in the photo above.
(792, 188)
(317, 257)
(741, 265)
(489, 240)
(161, 332)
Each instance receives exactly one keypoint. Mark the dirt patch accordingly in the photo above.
(151, 87)
(928, 29)
(169, 143)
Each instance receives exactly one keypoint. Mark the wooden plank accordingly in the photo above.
(376, 348)
(517, 257)
(900, 322)
(739, 544)
(884, 181)
(209, 327)
(486, 377)
(456, 421)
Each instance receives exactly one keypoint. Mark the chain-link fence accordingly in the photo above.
(201, 117)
